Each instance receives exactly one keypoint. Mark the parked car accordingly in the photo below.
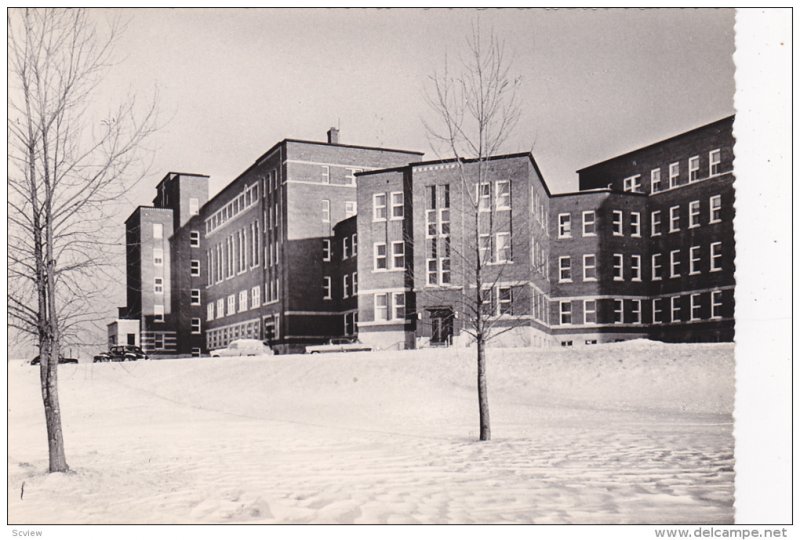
(61, 360)
(338, 345)
(122, 353)
(243, 347)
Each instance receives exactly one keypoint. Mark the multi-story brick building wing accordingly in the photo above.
(320, 240)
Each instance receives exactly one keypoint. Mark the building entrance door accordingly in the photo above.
(441, 326)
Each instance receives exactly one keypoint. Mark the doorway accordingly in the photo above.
(441, 327)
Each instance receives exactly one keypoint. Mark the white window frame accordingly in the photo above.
(619, 303)
(326, 210)
(345, 248)
(497, 195)
(354, 281)
(504, 245)
(158, 285)
(565, 227)
(350, 209)
(633, 184)
(326, 288)
(587, 311)
(655, 180)
(674, 219)
(657, 311)
(674, 174)
(400, 305)
(375, 257)
(194, 206)
(694, 261)
(562, 312)
(484, 197)
(713, 266)
(694, 214)
(636, 225)
(255, 297)
(194, 297)
(592, 266)
(714, 161)
(618, 267)
(243, 298)
(395, 255)
(616, 223)
(714, 204)
(326, 174)
(636, 268)
(655, 223)
(210, 311)
(674, 263)
(346, 286)
(354, 244)
(326, 249)
(655, 267)
(592, 222)
(158, 231)
(220, 308)
(716, 304)
(694, 169)
(674, 309)
(501, 303)
(196, 325)
(194, 239)
(231, 304)
(376, 307)
(694, 305)
(568, 269)
(194, 266)
(378, 208)
(395, 205)
(636, 311)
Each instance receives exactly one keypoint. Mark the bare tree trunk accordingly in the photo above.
(48, 370)
(483, 393)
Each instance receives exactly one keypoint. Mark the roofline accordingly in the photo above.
(169, 173)
(661, 141)
(401, 168)
(595, 191)
(301, 141)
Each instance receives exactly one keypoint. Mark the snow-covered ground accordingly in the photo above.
(621, 433)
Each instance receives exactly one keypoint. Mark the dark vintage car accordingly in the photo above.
(61, 360)
(121, 353)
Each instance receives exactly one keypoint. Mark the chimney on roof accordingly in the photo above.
(333, 136)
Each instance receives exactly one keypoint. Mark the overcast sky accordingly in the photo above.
(596, 83)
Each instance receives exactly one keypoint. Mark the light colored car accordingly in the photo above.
(243, 347)
(339, 345)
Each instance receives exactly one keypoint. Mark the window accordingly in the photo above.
(326, 174)
(674, 171)
(158, 231)
(716, 257)
(158, 256)
(398, 255)
(656, 310)
(326, 287)
(381, 307)
(210, 311)
(503, 245)
(326, 211)
(636, 224)
(655, 223)
(345, 248)
(255, 297)
(565, 312)
(158, 285)
(694, 260)
(694, 307)
(633, 183)
(694, 214)
(349, 209)
(158, 342)
(379, 207)
(503, 195)
(345, 286)
(397, 205)
(195, 297)
(485, 246)
(351, 177)
(589, 223)
(618, 275)
(619, 312)
(355, 283)
(636, 268)
(716, 304)
(220, 308)
(674, 219)
(398, 306)
(242, 301)
(354, 243)
(674, 263)
(714, 158)
(715, 209)
(694, 168)
(195, 267)
(636, 311)
(504, 302)
(616, 222)
(675, 308)
(564, 269)
(326, 249)
(158, 313)
(194, 206)
(655, 180)
(589, 268)
(589, 312)
(379, 250)
(484, 197)
(564, 226)
(194, 238)
(195, 325)
(656, 267)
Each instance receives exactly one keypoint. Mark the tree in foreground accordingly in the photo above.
(475, 110)
(67, 167)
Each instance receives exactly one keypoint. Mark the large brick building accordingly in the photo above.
(322, 239)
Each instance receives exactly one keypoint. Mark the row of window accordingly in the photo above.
(499, 197)
(220, 337)
(350, 177)
(565, 273)
(701, 306)
(247, 299)
(349, 286)
(634, 183)
(242, 202)
(350, 209)
(380, 206)
(349, 247)
(237, 253)
(714, 216)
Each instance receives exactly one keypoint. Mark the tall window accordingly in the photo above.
(484, 197)
(326, 174)
(619, 311)
(674, 308)
(326, 287)
(398, 306)
(210, 311)
(716, 257)
(158, 313)
(345, 248)
(616, 223)
(589, 223)
(504, 301)
(351, 177)
(674, 263)
(158, 285)
(636, 267)
(255, 296)
(397, 205)
(694, 168)
(345, 286)
(694, 260)
(355, 283)
(636, 224)
(354, 242)
(636, 311)
(618, 275)
(379, 207)
(349, 208)
(655, 180)
(503, 243)
(564, 226)
(195, 267)
(381, 307)
(674, 219)
(158, 231)
(398, 255)
(326, 249)
(655, 223)
(220, 308)
(195, 297)
(565, 312)
(326, 211)
(379, 250)
(589, 268)
(694, 214)
(656, 267)
(674, 171)
(589, 312)
(656, 310)
(503, 195)
(194, 238)
(715, 209)
(716, 304)
(633, 183)
(242, 301)
(714, 159)
(231, 304)
(564, 269)
(485, 248)
(694, 307)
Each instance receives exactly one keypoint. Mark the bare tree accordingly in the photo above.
(476, 109)
(67, 167)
